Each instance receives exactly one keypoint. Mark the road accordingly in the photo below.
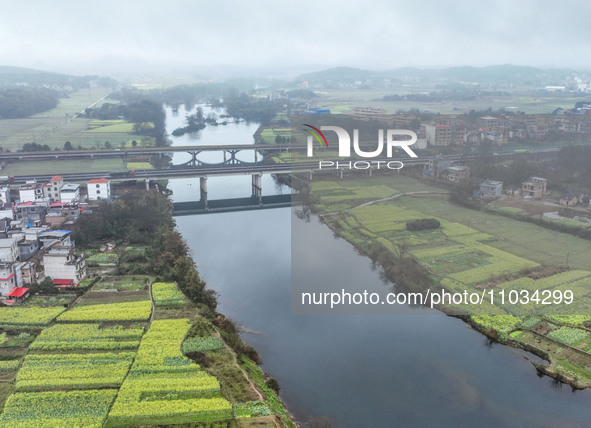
(223, 170)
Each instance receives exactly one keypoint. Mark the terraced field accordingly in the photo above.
(106, 363)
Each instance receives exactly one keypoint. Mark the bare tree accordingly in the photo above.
(403, 247)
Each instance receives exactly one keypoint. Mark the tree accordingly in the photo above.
(68, 146)
(403, 247)
(108, 144)
(134, 143)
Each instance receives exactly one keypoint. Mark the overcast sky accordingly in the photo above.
(96, 36)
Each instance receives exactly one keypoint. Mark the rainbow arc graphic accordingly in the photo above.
(317, 133)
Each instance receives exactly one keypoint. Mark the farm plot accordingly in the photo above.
(383, 217)
(121, 283)
(87, 337)
(548, 282)
(569, 336)
(330, 191)
(456, 259)
(202, 344)
(44, 372)
(101, 126)
(112, 312)
(164, 386)
(61, 166)
(103, 259)
(58, 300)
(167, 295)
(57, 409)
(24, 316)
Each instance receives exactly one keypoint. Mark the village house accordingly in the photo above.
(99, 188)
(491, 189)
(17, 295)
(29, 272)
(30, 191)
(52, 190)
(8, 250)
(438, 135)
(455, 174)
(6, 211)
(437, 166)
(63, 266)
(570, 199)
(7, 278)
(31, 212)
(534, 187)
(5, 195)
(27, 246)
(70, 192)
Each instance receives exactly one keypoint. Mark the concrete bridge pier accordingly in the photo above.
(203, 190)
(147, 184)
(257, 187)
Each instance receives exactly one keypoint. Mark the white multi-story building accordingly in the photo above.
(52, 189)
(7, 278)
(8, 250)
(70, 192)
(5, 195)
(99, 188)
(31, 191)
(63, 266)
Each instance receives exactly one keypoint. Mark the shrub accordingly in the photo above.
(423, 224)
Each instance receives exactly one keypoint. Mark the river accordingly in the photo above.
(419, 369)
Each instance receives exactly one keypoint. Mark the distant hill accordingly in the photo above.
(17, 76)
(498, 74)
(337, 74)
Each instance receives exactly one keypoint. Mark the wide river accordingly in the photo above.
(422, 369)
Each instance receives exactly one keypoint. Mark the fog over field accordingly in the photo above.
(109, 36)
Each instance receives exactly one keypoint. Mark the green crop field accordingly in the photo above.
(163, 386)
(342, 101)
(112, 365)
(55, 127)
(63, 166)
(114, 312)
(476, 252)
(54, 409)
(520, 238)
(77, 101)
(139, 166)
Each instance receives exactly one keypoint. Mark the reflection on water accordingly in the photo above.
(417, 370)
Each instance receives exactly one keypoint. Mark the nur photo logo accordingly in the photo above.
(394, 138)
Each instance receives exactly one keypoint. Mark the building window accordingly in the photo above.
(98, 192)
(98, 185)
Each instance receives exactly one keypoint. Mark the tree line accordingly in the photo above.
(16, 103)
(144, 218)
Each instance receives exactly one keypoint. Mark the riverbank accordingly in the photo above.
(485, 253)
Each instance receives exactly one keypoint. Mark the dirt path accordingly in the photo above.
(235, 361)
(398, 195)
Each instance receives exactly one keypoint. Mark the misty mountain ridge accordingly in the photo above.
(497, 74)
(11, 76)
